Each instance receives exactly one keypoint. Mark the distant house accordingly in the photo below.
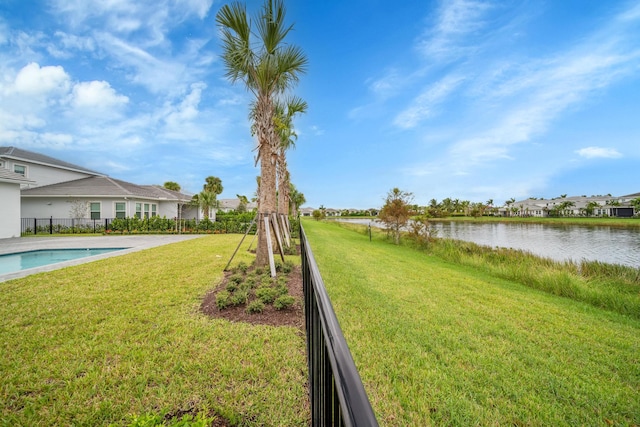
(50, 187)
(306, 211)
(595, 206)
(98, 197)
(228, 205)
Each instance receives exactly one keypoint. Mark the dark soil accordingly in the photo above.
(292, 316)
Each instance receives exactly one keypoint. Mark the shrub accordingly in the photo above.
(266, 294)
(236, 278)
(222, 299)
(250, 281)
(240, 297)
(256, 306)
(283, 301)
(242, 267)
(232, 286)
(282, 289)
(287, 267)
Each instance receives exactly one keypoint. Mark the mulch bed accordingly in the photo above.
(292, 316)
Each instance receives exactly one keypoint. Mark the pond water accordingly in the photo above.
(10, 263)
(613, 245)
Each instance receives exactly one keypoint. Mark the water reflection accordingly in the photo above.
(613, 245)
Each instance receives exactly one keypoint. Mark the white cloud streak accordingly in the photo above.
(425, 105)
(599, 153)
(455, 21)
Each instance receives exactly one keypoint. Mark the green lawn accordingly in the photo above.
(441, 344)
(105, 341)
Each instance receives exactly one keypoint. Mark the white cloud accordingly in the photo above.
(96, 95)
(66, 43)
(424, 105)
(598, 152)
(32, 80)
(446, 38)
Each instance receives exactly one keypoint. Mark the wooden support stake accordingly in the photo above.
(285, 230)
(276, 229)
(241, 240)
(272, 263)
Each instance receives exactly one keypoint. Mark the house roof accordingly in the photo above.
(7, 176)
(103, 186)
(234, 203)
(31, 157)
(164, 193)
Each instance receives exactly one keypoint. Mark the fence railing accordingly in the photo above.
(336, 392)
(30, 226)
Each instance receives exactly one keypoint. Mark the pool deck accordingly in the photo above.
(132, 243)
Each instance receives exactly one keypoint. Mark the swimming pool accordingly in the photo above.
(10, 263)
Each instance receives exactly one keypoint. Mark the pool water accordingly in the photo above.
(11, 263)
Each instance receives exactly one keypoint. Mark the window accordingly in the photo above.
(153, 210)
(95, 210)
(121, 210)
(20, 170)
(138, 210)
(146, 210)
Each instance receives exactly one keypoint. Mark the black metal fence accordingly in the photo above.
(336, 392)
(63, 225)
(31, 226)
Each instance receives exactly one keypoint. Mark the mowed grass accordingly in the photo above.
(100, 343)
(441, 344)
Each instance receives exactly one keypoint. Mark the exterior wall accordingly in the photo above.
(44, 175)
(9, 210)
(62, 207)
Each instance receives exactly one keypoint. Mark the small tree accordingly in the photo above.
(318, 214)
(79, 209)
(242, 206)
(396, 212)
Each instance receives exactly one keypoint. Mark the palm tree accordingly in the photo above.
(242, 206)
(636, 205)
(204, 200)
(213, 184)
(268, 67)
(171, 185)
(284, 113)
(297, 199)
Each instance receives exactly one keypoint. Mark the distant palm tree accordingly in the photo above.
(242, 206)
(170, 185)
(213, 184)
(297, 199)
(204, 200)
(284, 113)
(268, 67)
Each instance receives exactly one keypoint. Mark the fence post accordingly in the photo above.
(51, 225)
(35, 225)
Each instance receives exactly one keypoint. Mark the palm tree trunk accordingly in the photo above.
(283, 185)
(267, 190)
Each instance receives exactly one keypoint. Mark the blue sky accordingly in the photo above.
(466, 99)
